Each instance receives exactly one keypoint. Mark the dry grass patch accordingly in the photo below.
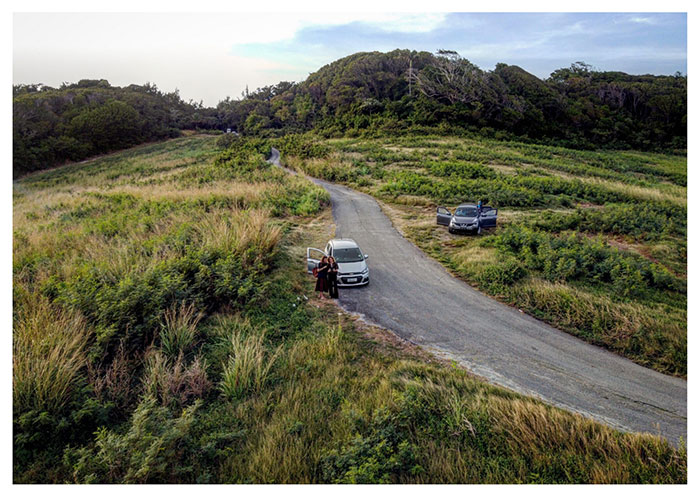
(676, 195)
(48, 355)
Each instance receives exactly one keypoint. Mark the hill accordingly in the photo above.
(396, 91)
(53, 125)
(162, 334)
(402, 91)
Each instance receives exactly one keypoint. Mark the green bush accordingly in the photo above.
(648, 221)
(156, 448)
(576, 258)
(497, 277)
(301, 146)
(380, 454)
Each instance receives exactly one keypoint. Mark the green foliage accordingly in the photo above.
(496, 277)
(460, 170)
(51, 126)
(312, 398)
(110, 126)
(179, 329)
(302, 146)
(156, 448)
(571, 258)
(379, 455)
(368, 93)
(650, 221)
(132, 305)
(247, 367)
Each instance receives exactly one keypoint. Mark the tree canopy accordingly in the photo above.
(397, 91)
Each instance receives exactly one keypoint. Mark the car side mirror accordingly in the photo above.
(366, 256)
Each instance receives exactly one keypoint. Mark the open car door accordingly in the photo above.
(443, 216)
(313, 257)
(489, 216)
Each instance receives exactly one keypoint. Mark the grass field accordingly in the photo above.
(162, 333)
(594, 243)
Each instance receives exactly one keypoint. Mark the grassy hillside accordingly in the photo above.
(162, 333)
(51, 126)
(593, 242)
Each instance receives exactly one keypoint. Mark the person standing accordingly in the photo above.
(332, 278)
(322, 277)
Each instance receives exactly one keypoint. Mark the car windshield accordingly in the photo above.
(351, 254)
(466, 212)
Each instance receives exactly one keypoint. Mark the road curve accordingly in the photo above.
(419, 300)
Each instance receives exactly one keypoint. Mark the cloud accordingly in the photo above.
(642, 20)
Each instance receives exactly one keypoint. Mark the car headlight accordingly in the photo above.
(452, 222)
(365, 270)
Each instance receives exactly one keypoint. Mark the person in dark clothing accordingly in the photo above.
(322, 277)
(332, 278)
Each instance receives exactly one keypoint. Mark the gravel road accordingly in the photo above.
(415, 297)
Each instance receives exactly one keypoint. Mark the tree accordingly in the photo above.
(108, 127)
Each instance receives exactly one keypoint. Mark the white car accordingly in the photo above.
(352, 263)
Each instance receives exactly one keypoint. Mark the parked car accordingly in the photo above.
(467, 218)
(352, 263)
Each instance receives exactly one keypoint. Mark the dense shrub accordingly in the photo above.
(496, 277)
(156, 448)
(648, 221)
(380, 454)
(302, 146)
(574, 258)
(51, 126)
(460, 169)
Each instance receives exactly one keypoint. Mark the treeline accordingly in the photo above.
(54, 125)
(372, 93)
(404, 90)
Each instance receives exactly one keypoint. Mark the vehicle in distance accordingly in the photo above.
(467, 218)
(352, 263)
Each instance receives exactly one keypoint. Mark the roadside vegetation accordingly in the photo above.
(162, 333)
(364, 94)
(594, 243)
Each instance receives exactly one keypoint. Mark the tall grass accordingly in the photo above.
(173, 381)
(48, 356)
(248, 365)
(179, 329)
(268, 389)
(241, 233)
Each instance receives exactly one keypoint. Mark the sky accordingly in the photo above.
(211, 56)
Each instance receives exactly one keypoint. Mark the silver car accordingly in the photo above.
(352, 263)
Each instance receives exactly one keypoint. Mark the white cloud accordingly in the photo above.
(642, 20)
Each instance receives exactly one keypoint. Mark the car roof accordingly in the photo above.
(466, 205)
(343, 242)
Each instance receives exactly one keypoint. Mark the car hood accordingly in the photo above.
(352, 267)
(464, 220)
